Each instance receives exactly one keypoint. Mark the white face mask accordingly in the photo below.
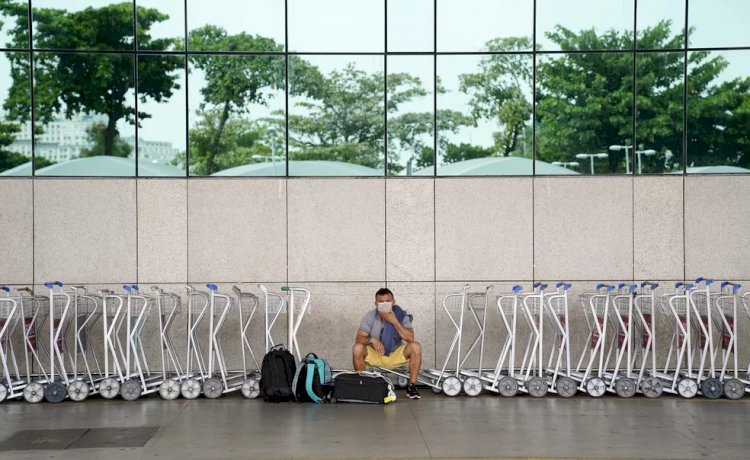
(385, 307)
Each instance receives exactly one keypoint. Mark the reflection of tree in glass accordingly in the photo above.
(72, 83)
(498, 91)
(96, 134)
(233, 85)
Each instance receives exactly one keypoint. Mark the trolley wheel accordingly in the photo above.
(451, 386)
(508, 387)
(651, 387)
(213, 388)
(131, 390)
(33, 393)
(687, 388)
(473, 386)
(596, 387)
(566, 387)
(3, 392)
(537, 387)
(734, 389)
(625, 387)
(712, 388)
(250, 388)
(190, 388)
(402, 381)
(169, 389)
(55, 392)
(109, 388)
(78, 390)
(436, 389)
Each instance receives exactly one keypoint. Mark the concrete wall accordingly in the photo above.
(344, 238)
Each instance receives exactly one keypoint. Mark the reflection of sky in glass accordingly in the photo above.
(651, 12)
(336, 25)
(255, 17)
(719, 23)
(165, 123)
(577, 15)
(411, 25)
(172, 27)
(465, 25)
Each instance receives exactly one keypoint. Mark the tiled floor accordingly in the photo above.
(435, 426)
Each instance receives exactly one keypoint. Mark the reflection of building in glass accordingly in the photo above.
(63, 139)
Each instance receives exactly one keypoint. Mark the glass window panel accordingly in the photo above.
(336, 26)
(84, 106)
(161, 114)
(336, 122)
(14, 24)
(661, 24)
(236, 107)
(718, 23)
(479, 25)
(161, 24)
(83, 24)
(598, 24)
(484, 115)
(15, 115)
(659, 114)
(584, 106)
(410, 115)
(718, 112)
(262, 19)
(411, 25)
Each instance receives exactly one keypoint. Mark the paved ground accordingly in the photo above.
(436, 426)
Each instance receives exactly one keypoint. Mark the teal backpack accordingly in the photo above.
(312, 382)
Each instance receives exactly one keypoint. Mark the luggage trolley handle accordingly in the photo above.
(733, 287)
(707, 281)
(293, 323)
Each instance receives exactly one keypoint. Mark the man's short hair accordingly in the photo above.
(383, 291)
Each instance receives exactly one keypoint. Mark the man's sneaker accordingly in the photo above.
(411, 391)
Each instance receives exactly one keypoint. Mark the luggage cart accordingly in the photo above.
(477, 304)
(725, 318)
(676, 375)
(112, 317)
(701, 301)
(87, 312)
(644, 339)
(218, 378)
(247, 304)
(274, 305)
(596, 311)
(198, 308)
(620, 379)
(168, 306)
(559, 364)
(55, 388)
(11, 384)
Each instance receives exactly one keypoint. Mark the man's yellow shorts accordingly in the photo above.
(393, 361)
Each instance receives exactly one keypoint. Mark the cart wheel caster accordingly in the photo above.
(3, 392)
(213, 388)
(596, 387)
(109, 388)
(566, 387)
(473, 386)
(508, 387)
(55, 392)
(33, 393)
(734, 389)
(250, 388)
(131, 390)
(687, 388)
(651, 387)
(169, 389)
(537, 387)
(436, 389)
(625, 387)
(402, 382)
(451, 386)
(78, 390)
(712, 388)
(190, 388)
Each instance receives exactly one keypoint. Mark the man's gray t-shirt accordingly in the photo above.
(373, 325)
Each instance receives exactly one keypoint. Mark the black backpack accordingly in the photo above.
(277, 372)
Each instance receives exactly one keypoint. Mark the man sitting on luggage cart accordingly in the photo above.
(380, 338)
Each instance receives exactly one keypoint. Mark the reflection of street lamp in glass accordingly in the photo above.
(638, 154)
(591, 156)
(565, 164)
(627, 148)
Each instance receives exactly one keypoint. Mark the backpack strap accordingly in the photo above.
(308, 384)
(295, 381)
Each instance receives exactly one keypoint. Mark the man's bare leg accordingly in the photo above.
(413, 352)
(359, 352)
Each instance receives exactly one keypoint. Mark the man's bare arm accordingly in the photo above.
(363, 338)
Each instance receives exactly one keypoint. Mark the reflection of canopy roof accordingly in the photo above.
(301, 168)
(23, 169)
(714, 170)
(98, 166)
(495, 166)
